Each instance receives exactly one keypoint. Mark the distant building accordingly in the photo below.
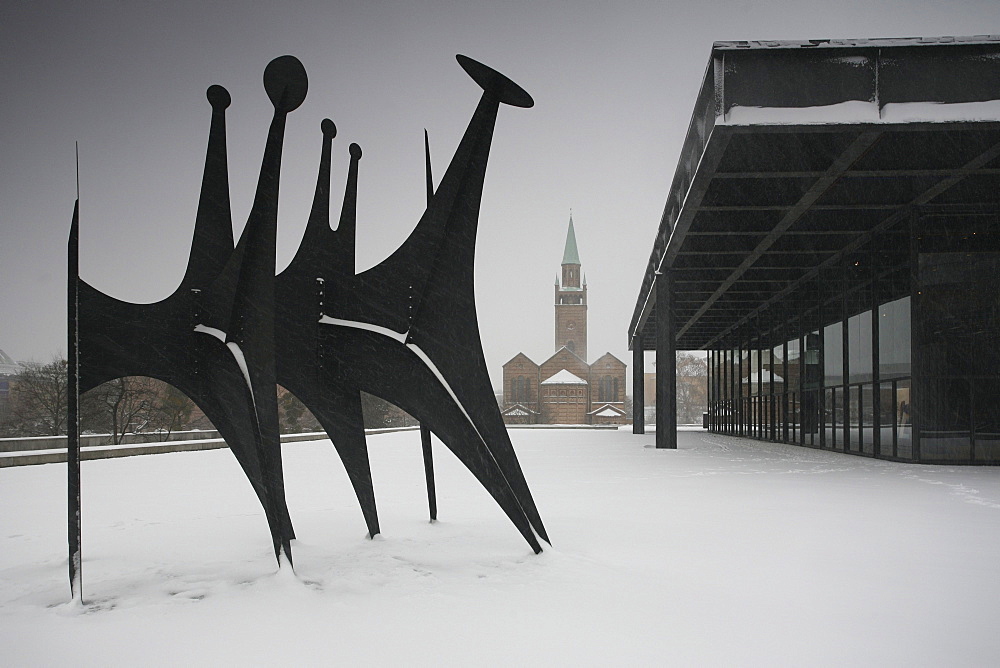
(565, 389)
(831, 240)
(8, 371)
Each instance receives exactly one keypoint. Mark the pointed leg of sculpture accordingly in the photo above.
(425, 443)
(339, 413)
(73, 411)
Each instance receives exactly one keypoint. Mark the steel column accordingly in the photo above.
(666, 363)
(638, 386)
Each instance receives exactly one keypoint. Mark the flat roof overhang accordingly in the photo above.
(798, 152)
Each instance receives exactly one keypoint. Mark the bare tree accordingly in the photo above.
(692, 389)
(38, 399)
(175, 410)
(128, 405)
(379, 413)
(293, 416)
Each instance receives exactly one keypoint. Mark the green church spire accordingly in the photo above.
(571, 255)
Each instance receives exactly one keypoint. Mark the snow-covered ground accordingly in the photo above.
(726, 551)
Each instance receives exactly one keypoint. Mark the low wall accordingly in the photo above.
(52, 449)
(86, 440)
(57, 455)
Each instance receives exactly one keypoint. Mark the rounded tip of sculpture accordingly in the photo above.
(218, 97)
(492, 81)
(355, 151)
(286, 83)
(329, 128)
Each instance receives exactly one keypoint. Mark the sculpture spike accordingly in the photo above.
(344, 259)
(425, 432)
(427, 166)
(74, 523)
(212, 242)
(319, 217)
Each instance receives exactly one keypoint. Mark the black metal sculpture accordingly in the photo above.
(405, 330)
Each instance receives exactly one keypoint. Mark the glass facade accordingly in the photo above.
(892, 353)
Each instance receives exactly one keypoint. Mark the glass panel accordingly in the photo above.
(810, 417)
(987, 420)
(733, 380)
(769, 417)
(776, 370)
(833, 354)
(810, 398)
(830, 413)
(867, 420)
(745, 373)
(894, 339)
(946, 404)
(793, 417)
(852, 419)
(958, 342)
(887, 419)
(904, 430)
(859, 347)
(813, 376)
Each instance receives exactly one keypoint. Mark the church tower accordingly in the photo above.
(571, 300)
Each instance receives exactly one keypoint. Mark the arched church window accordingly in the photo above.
(571, 345)
(606, 389)
(614, 397)
(515, 389)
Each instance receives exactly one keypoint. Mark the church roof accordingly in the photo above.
(519, 357)
(605, 357)
(8, 367)
(562, 348)
(571, 255)
(518, 410)
(766, 377)
(607, 410)
(564, 377)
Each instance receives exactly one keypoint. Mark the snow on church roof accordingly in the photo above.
(8, 367)
(607, 410)
(564, 377)
(767, 375)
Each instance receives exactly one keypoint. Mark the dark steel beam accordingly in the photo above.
(870, 173)
(901, 213)
(858, 147)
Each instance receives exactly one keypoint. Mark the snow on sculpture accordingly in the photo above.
(405, 330)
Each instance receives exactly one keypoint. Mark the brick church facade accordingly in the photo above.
(565, 388)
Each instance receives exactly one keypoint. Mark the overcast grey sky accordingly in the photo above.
(613, 83)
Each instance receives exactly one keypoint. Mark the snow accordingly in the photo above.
(723, 552)
(211, 331)
(402, 338)
(237, 354)
(766, 376)
(564, 377)
(356, 324)
(908, 112)
(858, 111)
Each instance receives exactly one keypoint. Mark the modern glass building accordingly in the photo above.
(832, 240)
